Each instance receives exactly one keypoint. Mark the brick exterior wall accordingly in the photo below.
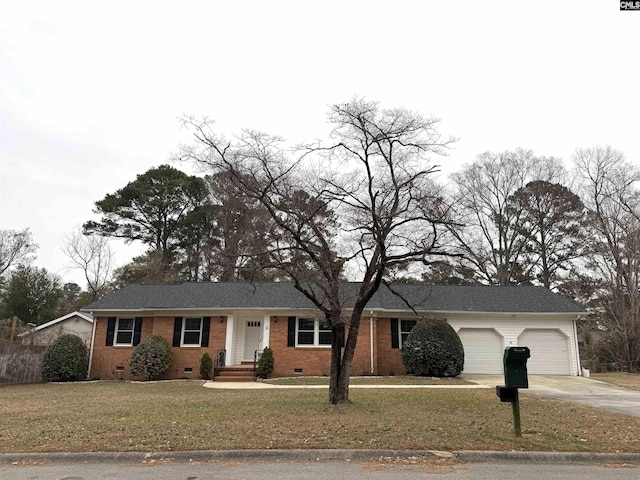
(315, 360)
(106, 359)
(311, 360)
(389, 359)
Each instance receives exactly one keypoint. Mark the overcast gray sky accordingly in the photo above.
(90, 92)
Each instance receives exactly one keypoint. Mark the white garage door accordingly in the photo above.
(483, 350)
(549, 351)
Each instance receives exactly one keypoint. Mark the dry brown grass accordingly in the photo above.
(118, 416)
(621, 379)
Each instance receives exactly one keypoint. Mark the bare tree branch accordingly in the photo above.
(93, 255)
(364, 203)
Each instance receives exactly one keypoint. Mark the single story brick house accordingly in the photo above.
(240, 318)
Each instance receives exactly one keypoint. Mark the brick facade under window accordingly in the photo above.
(112, 362)
(107, 360)
(315, 361)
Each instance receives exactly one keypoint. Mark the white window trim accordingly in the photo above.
(184, 324)
(400, 320)
(316, 334)
(115, 333)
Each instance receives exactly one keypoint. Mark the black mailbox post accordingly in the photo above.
(515, 376)
(515, 367)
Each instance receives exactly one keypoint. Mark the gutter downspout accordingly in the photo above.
(576, 346)
(371, 340)
(228, 342)
(93, 341)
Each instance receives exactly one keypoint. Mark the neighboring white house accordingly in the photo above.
(76, 323)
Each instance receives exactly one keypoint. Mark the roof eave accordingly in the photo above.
(377, 311)
(78, 313)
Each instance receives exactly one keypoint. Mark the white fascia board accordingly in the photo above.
(203, 311)
(310, 311)
(473, 312)
(82, 315)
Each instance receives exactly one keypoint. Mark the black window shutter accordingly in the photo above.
(111, 330)
(177, 331)
(206, 326)
(395, 341)
(137, 330)
(342, 335)
(291, 332)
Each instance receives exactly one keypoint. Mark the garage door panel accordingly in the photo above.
(550, 354)
(483, 349)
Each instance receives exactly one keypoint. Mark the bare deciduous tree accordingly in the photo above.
(490, 240)
(360, 205)
(93, 255)
(243, 232)
(610, 192)
(15, 247)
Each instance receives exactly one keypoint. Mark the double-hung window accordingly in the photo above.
(124, 332)
(192, 332)
(405, 327)
(312, 333)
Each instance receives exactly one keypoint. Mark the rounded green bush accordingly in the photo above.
(66, 360)
(266, 363)
(206, 366)
(151, 358)
(433, 348)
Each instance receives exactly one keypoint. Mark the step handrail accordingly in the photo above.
(220, 361)
(256, 358)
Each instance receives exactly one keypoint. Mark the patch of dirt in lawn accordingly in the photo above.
(437, 465)
(618, 465)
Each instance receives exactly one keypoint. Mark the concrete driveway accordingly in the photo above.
(574, 389)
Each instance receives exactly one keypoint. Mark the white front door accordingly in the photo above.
(252, 337)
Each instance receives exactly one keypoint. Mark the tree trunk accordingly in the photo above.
(337, 391)
(342, 361)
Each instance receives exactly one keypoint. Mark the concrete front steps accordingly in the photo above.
(235, 373)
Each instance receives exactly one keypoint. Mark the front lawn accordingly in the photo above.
(119, 416)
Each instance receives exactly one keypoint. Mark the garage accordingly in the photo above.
(549, 351)
(483, 349)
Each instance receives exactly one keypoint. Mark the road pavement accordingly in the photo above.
(385, 468)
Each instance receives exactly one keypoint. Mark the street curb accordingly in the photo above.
(589, 458)
(314, 456)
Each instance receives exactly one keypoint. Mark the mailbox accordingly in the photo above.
(515, 367)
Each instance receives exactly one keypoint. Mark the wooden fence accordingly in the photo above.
(20, 364)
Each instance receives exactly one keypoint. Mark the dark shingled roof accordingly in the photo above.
(432, 298)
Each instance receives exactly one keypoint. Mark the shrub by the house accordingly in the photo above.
(151, 358)
(66, 360)
(433, 348)
(206, 366)
(265, 364)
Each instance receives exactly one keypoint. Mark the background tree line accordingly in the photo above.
(350, 210)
